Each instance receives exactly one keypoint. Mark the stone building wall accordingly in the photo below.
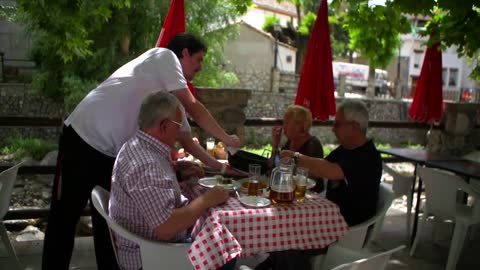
(20, 101)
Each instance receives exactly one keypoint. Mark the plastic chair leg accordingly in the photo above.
(437, 224)
(459, 234)
(419, 231)
(409, 216)
(8, 245)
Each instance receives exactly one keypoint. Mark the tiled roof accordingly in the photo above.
(285, 6)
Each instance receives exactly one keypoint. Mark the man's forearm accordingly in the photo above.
(181, 219)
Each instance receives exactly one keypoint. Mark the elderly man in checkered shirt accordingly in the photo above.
(145, 196)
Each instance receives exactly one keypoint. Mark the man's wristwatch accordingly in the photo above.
(295, 157)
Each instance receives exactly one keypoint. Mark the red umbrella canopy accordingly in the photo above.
(427, 105)
(315, 88)
(174, 23)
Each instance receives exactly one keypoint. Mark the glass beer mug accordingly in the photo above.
(282, 186)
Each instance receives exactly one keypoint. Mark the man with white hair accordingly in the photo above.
(353, 169)
(145, 195)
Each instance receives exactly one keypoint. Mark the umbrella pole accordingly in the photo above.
(428, 136)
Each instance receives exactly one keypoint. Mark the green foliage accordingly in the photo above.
(75, 89)
(307, 23)
(269, 22)
(454, 22)
(79, 45)
(264, 151)
(27, 147)
(8, 12)
(213, 73)
(379, 43)
(205, 17)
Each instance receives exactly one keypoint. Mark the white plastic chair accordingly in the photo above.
(402, 186)
(441, 202)
(155, 254)
(7, 178)
(362, 234)
(473, 156)
(339, 257)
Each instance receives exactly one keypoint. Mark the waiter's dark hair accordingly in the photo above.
(186, 40)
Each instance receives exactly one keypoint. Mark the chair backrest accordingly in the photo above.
(339, 257)
(358, 236)
(7, 178)
(402, 185)
(440, 190)
(155, 254)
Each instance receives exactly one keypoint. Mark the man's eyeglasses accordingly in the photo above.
(175, 122)
(339, 124)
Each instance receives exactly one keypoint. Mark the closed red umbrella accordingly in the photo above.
(174, 23)
(315, 88)
(427, 105)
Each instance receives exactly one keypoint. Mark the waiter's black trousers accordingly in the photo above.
(79, 169)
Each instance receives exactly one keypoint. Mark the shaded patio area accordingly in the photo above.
(429, 255)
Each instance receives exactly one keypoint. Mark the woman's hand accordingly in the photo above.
(276, 136)
(286, 154)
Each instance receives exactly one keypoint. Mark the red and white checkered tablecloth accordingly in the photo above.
(232, 230)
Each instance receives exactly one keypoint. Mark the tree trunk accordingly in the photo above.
(371, 82)
(302, 46)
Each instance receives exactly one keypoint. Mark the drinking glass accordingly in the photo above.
(210, 143)
(254, 179)
(301, 184)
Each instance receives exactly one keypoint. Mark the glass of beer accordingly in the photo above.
(210, 144)
(301, 184)
(254, 178)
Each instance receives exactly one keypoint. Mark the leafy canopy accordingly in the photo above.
(80, 43)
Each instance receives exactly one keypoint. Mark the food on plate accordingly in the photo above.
(223, 181)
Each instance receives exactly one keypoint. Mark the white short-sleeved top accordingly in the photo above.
(107, 117)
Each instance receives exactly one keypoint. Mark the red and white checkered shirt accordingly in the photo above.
(144, 193)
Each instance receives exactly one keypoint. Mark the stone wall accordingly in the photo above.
(274, 104)
(20, 101)
(232, 106)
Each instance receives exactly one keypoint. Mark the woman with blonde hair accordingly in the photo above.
(297, 122)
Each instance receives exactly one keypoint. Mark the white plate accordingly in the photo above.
(254, 201)
(211, 182)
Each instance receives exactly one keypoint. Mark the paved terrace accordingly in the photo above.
(429, 255)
